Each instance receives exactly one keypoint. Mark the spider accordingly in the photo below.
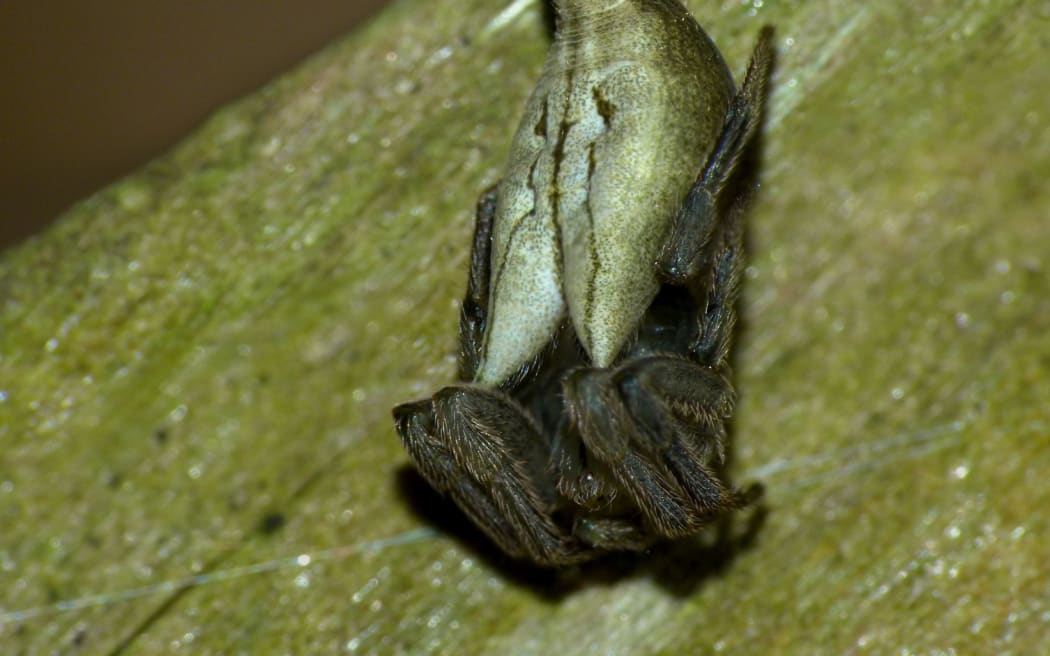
(594, 385)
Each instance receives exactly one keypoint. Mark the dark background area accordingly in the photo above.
(92, 90)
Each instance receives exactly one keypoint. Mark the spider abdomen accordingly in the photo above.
(607, 149)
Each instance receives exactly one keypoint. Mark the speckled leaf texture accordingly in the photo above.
(197, 364)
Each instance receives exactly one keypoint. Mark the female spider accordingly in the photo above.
(593, 395)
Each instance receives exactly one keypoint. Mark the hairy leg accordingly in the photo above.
(481, 449)
(682, 260)
(474, 311)
(718, 315)
(657, 424)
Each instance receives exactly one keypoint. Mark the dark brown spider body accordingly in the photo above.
(600, 302)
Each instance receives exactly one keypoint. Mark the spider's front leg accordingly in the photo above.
(683, 258)
(657, 424)
(479, 446)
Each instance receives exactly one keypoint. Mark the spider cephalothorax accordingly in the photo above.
(590, 416)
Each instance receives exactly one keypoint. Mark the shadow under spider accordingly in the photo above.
(679, 567)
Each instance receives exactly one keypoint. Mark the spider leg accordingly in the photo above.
(473, 312)
(679, 410)
(579, 479)
(682, 259)
(482, 450)
(657, 424)
(600, 416)
(718, 317)
(613, 533)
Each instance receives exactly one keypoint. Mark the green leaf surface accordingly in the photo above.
(197, 364)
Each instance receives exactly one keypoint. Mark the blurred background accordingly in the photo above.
(93, 90)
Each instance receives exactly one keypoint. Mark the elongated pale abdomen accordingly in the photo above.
(630, 102)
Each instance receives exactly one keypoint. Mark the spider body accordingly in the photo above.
(590, 416)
